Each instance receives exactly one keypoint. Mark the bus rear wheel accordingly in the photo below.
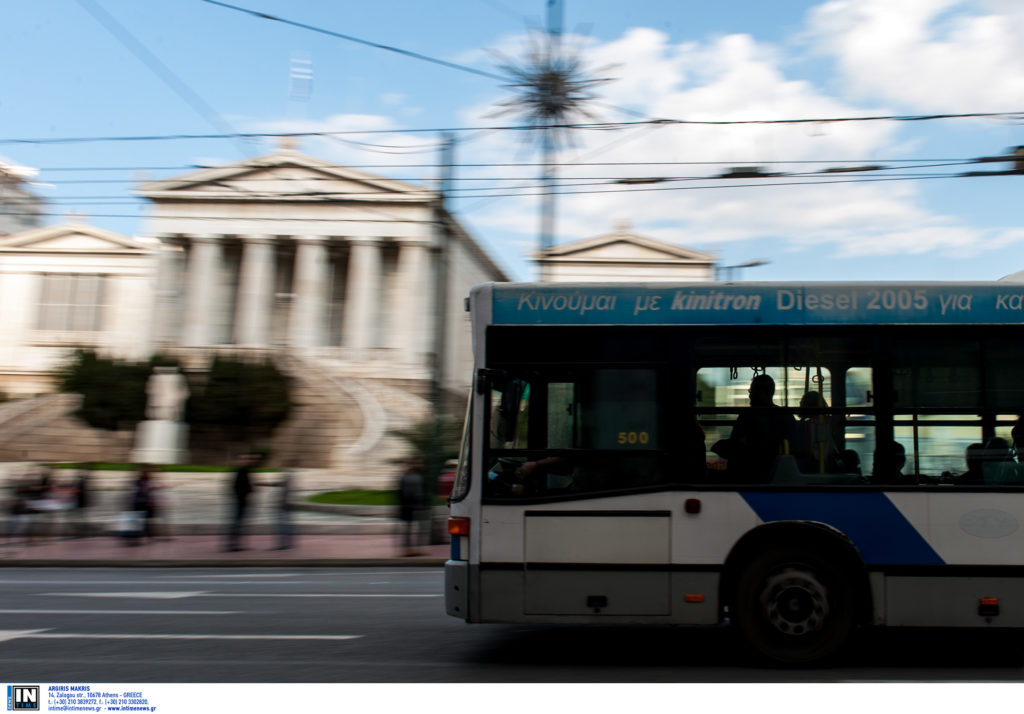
(794, 605)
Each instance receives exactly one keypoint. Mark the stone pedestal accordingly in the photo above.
(160, 441)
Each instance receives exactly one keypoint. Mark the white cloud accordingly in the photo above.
(926, 55)
(929, 54)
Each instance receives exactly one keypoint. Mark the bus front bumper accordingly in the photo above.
(456, 588)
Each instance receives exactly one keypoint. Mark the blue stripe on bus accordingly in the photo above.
(456, 542)
(871, 521)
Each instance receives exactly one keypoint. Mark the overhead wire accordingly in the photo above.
(350, 38)
(161, 70)
(731, 162)
(606, 186)
(598, 126)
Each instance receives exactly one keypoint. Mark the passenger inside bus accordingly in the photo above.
(998, 466)
(759, 436)
(888, 464)
(974, 456)
(813, 446)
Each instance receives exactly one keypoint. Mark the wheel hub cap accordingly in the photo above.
(795, 602)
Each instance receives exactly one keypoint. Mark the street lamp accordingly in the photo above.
(725, 272)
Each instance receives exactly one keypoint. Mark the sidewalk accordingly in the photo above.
(195, 518)
(208, 550)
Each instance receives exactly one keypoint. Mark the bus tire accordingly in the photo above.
(794, 605)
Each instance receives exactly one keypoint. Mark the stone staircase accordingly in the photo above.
(341, 423)
(45, 429)
(344, 422)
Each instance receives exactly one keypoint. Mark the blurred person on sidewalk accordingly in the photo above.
(285, 527)
(241, 488)
(143, 503)
(20, 513)
(80, 508)
(410, 503)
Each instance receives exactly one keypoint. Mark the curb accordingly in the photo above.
(212, 562)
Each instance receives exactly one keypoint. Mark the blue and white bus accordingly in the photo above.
(623, 464)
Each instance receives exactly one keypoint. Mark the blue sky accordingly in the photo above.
(123, 68)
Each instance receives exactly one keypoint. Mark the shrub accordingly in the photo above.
(113, 392)
(241, 401)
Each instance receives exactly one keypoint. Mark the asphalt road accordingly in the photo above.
(388, 625)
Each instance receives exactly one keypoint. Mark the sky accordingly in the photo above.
(137, 80)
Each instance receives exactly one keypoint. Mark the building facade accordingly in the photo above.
(330, 272)
(288, 252)
(69, 286)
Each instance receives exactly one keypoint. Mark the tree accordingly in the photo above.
(242, 402)
(113, 392)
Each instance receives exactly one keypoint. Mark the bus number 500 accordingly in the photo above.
(634, 437)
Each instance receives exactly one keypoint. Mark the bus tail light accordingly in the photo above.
(988, 606)
(458, 526)
(693, 598)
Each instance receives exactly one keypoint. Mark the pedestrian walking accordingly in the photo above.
(241, 488)
(142, 507)
(41, 505)
(285, 526)
(410, 504)
(20, 513)
(80, 510)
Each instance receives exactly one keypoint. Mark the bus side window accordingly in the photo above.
(510, 404)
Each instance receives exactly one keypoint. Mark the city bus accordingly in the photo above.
(797, 461)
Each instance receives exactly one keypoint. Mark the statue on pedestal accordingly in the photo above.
(166, 393)
(162, 438)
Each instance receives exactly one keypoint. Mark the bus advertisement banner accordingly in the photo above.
(758, 304)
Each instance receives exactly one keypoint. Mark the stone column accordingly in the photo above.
(255, 292)
(202, 288)
(307, 321)
(411, 299)
(166, 309)
(362, 294)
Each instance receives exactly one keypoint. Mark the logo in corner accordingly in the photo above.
(22, 698)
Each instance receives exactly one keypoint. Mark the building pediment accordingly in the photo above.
(70, 238)
(624, 247)
(285, 176)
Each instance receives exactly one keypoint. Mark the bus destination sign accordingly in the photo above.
(758, 304)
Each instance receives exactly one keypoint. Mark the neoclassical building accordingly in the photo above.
(330, 272)
(288, 252)
(66, 286)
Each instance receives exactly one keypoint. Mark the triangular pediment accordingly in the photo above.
(284, 176)
(70, 238)
(624, 247)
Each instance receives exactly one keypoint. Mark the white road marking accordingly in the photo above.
(119, 612)
(175, 595)
(45, 635)
(336, 595)
(6, 635)
(232, 576)
(200, 593)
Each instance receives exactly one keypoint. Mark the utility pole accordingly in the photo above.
(435, 455)
(547, 210)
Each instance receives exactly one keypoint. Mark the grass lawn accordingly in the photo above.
(362, 497)
(357, 497)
